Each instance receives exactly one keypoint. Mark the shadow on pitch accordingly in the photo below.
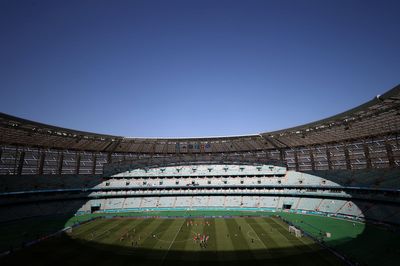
(64, 250)
(372, 246)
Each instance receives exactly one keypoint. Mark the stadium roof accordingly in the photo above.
(377, 117)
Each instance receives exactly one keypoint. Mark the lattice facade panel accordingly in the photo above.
(117, 157)
(320, 158)
(86, 163)
(8, 160)
(357, 155)
(338, 157)
(289, 155)
(396, 151)
(303, 156)
(273, 154)
(377, 150)
(69, 162)
(101, 159)
(50, 166)
(30, 166)
(378, 153)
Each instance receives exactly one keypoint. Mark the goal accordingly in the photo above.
(293, 230)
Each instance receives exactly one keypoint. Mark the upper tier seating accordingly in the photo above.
(13, 183)
(372, 178)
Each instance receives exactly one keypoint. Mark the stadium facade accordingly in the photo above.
(347, 165)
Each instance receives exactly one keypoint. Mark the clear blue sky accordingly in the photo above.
(194, 68)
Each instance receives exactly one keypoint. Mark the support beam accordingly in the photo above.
(269, 141)
(41, 163)
(60, 162)
(282, 156)
(328, 158)
(109, 158)
(389, 152)
(347, 157)
(312, 159)
(94, 159)
(78, 162)
(15, 161)
(367, 155)
(266, 156)
(21, 162)
(296, 161)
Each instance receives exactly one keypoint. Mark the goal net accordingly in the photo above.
(293, 230)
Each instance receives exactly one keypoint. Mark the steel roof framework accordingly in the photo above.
(364, 137)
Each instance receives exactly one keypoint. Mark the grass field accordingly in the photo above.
(151, 241)
(364, 243)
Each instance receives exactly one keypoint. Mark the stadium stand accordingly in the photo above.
(346, 166)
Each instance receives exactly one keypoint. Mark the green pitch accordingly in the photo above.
(136, 241)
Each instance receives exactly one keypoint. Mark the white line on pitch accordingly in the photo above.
(170, 245)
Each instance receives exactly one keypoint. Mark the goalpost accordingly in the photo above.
(293, 230)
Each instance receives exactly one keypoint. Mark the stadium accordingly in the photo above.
(323, 193)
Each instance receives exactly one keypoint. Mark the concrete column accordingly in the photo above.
(296, 161)
(15, 161)
(312, 159)
(328, 158)
(367, 155)
(41, 163)
(21, 163)
(109, 158)
(60, 162)
(347, 157)
(94, 159)
(389, 152)
(282, 156)
(78, 163)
